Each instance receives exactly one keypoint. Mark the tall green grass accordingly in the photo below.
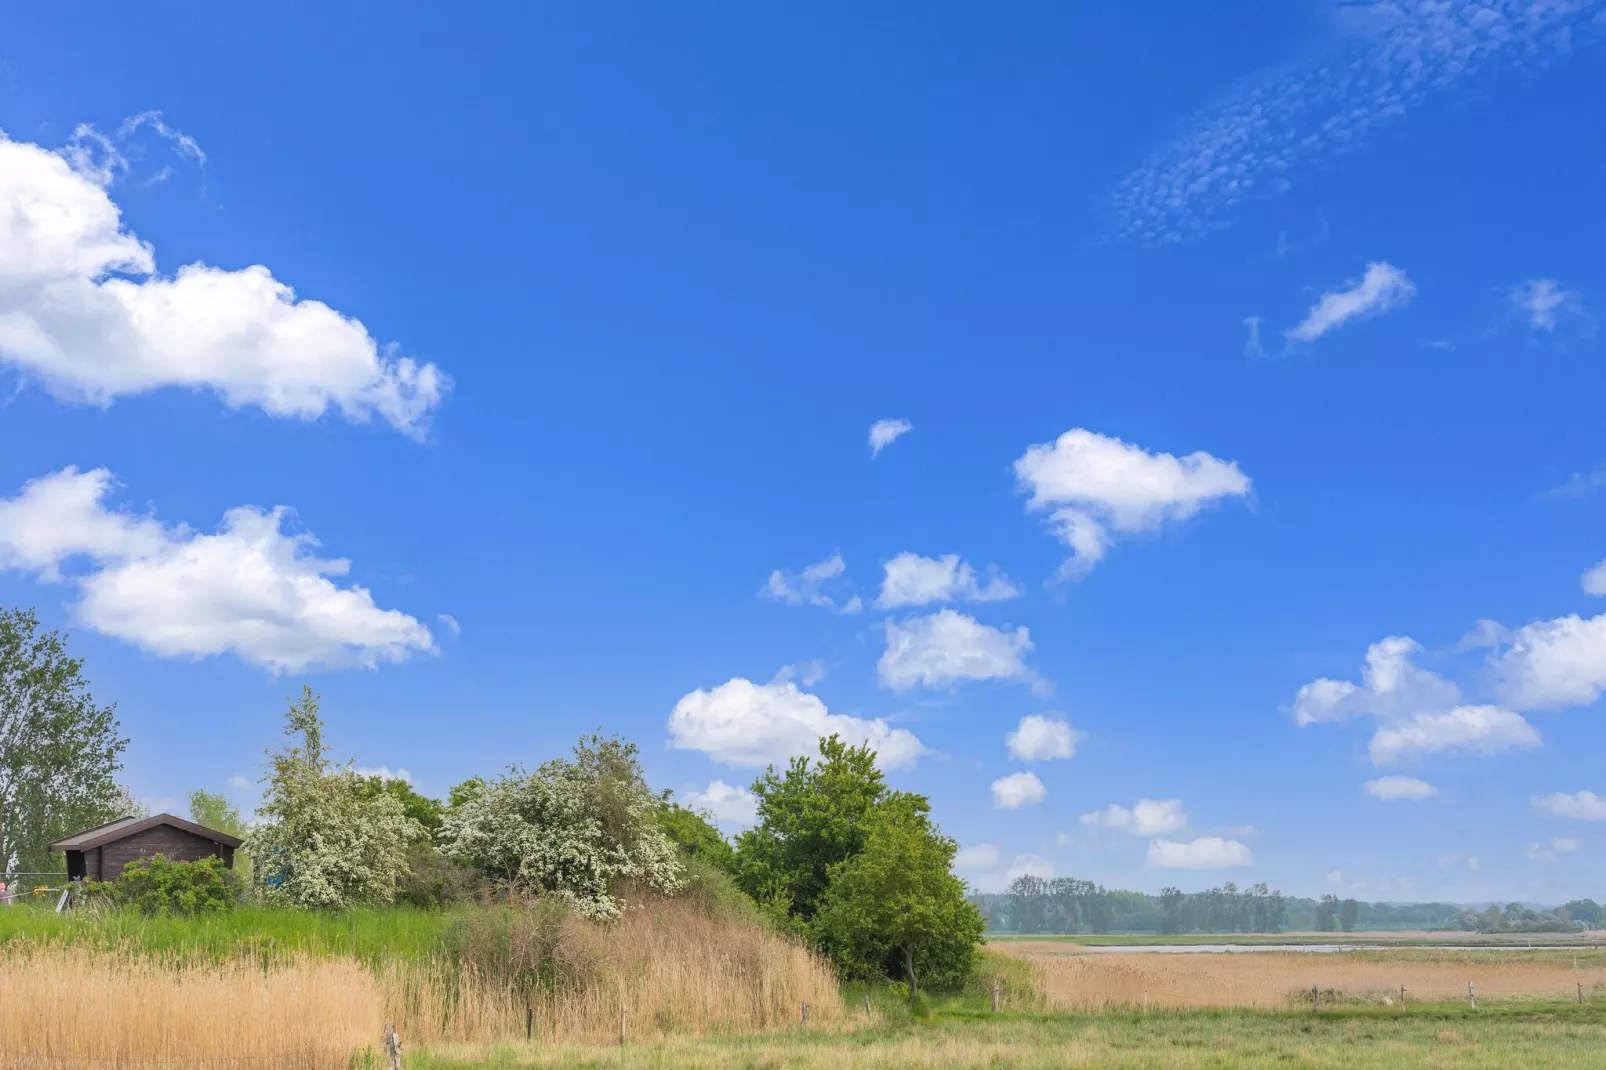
(368, 935)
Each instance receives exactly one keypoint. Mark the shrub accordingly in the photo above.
(521, 949)
(582, 830)
(158, 886)
(434, 881)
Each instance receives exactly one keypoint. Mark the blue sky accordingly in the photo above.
(1248, 357)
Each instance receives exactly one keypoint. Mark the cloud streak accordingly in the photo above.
(1386, 59)
(1382, 288)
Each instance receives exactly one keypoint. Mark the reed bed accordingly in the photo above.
(668, 967)
(1062, 979)
(73, 1006)
(81, 997)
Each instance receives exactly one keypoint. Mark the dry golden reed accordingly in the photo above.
(1066, 978)
(670, 967)
(63, 1007)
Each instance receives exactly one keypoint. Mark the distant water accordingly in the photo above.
(1312, 949)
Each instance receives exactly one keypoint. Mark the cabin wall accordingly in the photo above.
(171, 843)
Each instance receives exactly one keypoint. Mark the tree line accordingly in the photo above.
(1065, 905)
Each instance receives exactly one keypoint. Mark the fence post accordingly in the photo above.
(529, 1021)
(805, 1012)
(393, 1046)
(868, 1013)
(1315, 997)
(1402, 995)
(1145, 1001)
(1580, 991)
(1472, 996)
(624, 1014)
(995, 997)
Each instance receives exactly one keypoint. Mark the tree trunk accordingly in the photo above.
(909, 971)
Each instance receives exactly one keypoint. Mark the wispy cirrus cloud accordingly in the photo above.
(1386, 58)
(1382, 288)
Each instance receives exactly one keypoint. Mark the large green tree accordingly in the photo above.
(696, 836)
(59, 751)
(810, 818)
(428, 812)
(894, 908)
(325, 842)
(216, 812)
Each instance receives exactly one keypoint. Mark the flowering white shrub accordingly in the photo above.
(578, 829)
(324, 843)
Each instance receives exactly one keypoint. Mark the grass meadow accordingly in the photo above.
(700, 987)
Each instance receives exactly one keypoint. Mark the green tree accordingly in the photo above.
(1325, 913)
(324, 842)
(810, 818)
(1349, 912)
(1585, 910)
(582, 829)
(694, 834)
(429, 813)
(216, 812)
(893, 908)
(59, 751)
(1171, 909)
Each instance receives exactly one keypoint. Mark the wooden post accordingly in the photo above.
(624, 1013)
(1315, 997)
(805, 1012)
(1472, 996)
(1145, 1001)
(529, 1021)
(393, 1046)
(1580, 991)
(867, 1012)
(1402, 995)
(995, 997)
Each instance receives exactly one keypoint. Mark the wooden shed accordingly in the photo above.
(100, 853)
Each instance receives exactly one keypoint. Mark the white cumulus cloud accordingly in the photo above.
(884, 433)
(1206, 852)
(1594, 580)
(86, 314)
(1382, 288)
(728, 804)
(822, 584)
(947, 647)
(912, 580)
(1579, 806)
(384, 772)
(248, 588)
(1094, 487)
(1466, 729)
(1017, 790)
(742, 723)
(1421, 712)
(1148, 817)
(1551, 850)
(1392, 788)
(1039, 739)
(976, 856)
(1551, 664)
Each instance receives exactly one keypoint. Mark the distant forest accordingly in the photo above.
(1066, 905)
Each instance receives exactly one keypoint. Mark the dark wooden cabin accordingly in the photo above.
(99, 854)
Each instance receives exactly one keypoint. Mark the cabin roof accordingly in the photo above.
(124, 827)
